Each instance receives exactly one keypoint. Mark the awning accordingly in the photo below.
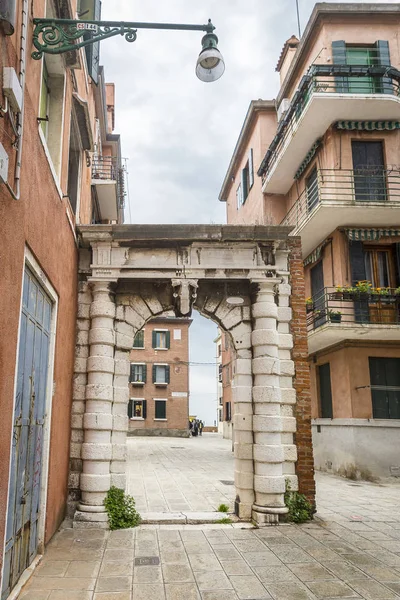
(314, 256)
(83, 117)
(308, 158)
(371, 235)
(368, 125)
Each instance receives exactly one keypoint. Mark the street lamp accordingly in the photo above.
(56, 36)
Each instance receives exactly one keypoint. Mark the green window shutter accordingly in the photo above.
(160, 409)
(358, 273)
(167, 376)
(325, 391)
(144, 411)
(131, 378)
(168, 339)
(245, 191)
(91, 10)
(339, 58)
(154, 339)
(144, 371)
(154, 373)
(383, 58)
(130, 409)
(251, 168)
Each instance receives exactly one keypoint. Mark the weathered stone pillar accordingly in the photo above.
(272, 428)
(95, 479)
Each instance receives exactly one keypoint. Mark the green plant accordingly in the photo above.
(223, 508)
(309, 301)
(121, 509)
(300, 509)
(224, 521)
(383, 291)
(334, 313)
(364, 287)
(397, 291)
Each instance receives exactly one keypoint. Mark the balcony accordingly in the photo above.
(333, 317)
(366, 197)
(108, 181)
(328, 93)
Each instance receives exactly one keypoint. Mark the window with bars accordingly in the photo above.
(138, 342)
(161, 340)
(160, 409)
(138, 373)
(161, 374)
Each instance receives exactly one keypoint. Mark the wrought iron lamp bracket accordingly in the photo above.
(56, 36)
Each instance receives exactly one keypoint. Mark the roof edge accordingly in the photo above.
(254, 107)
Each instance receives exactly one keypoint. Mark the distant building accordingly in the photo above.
(159, 379)
(225, 375)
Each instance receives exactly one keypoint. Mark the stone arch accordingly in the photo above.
(112, 309)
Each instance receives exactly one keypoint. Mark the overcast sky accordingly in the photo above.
(178, 132)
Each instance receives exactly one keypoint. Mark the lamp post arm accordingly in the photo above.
(56, 36)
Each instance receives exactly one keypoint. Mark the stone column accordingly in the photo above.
(95, 479)
(269, 421)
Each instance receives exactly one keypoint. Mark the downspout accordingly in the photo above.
(20, 129)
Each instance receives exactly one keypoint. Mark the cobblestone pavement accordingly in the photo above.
(351, 550)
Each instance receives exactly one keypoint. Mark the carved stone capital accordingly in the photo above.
(185, 293)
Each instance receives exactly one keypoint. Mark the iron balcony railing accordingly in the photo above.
(109, 168)
(333, 307)
(345, 186)
(329, 79)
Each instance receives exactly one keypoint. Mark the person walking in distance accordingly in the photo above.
(201, 425)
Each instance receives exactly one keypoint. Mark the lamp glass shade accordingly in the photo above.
(210, 65)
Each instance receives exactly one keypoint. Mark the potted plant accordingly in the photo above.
(348, 292)
(375, 294)
(338, 293)
(385, 295)
(363, 289)
(309, 305)
(335, 316)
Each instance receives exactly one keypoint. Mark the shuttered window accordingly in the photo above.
(228, 414)
(138, 373)
(160, 409)
(138, 342)
(137, 409)
(375, 54)
(385, 387)
(161, 374)
(90, 10)
(325, 391)
(161, 340)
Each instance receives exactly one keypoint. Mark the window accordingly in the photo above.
(91, 11)
(160, 409)
(246, 181)
(362, 56)
(325, 391)
(379, 269)
(137, 408)
(161, 340)
(138, 373)
(312, 190)
(220, 373)
(74, 164)
(369, 173)
(138, 342)
(161, 374)
(385, 387)
(227, 411)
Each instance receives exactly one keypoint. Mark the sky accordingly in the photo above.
(179, 133)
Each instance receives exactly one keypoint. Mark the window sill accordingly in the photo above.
(136, 419)
(160, 348)
(138, 347)
(160, 384)
(137, 382)
(160, 419)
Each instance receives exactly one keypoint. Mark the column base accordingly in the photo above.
(87, 517)
(264, 515)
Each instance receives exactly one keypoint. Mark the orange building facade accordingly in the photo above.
(159, 379)
(324, 158)
(57, 121)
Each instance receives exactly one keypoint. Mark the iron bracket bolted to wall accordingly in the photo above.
(56, 36)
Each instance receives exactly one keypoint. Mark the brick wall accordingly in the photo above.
(301, 382)
(177, 357)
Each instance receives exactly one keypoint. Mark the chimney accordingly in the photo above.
(286, 57)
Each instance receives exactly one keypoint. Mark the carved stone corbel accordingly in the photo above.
(185, 293)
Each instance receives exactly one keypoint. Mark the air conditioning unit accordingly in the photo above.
(282, 108)
(12, 88)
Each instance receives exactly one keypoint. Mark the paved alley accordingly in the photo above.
(351, 550)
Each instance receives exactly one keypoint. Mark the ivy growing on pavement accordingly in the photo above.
(121, 509)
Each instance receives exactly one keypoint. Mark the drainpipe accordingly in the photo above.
(20, 129)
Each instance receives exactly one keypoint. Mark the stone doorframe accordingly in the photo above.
(240, 278)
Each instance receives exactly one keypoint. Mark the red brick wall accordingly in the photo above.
(301, 382)
(177, 357)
